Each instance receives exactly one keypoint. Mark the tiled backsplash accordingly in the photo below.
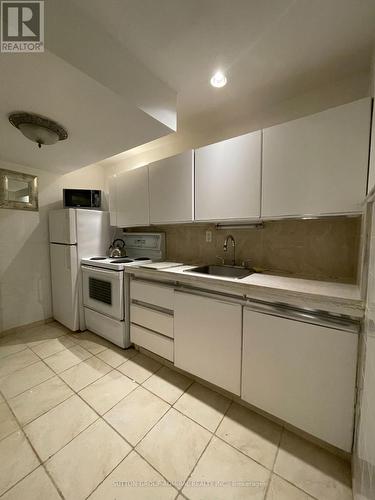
(323, 249)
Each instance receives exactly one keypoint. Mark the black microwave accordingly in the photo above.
(82, 198)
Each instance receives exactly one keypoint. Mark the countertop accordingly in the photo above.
(335, 298)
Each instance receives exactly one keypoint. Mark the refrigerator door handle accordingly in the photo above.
(67, 258)
(68, 227)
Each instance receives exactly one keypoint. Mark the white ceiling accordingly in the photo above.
(106, 99)
(113, 68)
(99, 122)
(271, 50)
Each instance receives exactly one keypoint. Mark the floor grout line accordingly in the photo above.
(101, 482)
(160, 397)
(151, 428)
(171, 406)
(92, 382)
(111, 408)
(279, 475)
(297, 487)
(13, 353)
(133, 448)
(45, 412)
(30, 388)
(195, 421)
(67, 335)
(101, 417)
(274, 462)
(278, 447)
(66, 349)
(23, 367)
(205, 448)
(41, 464)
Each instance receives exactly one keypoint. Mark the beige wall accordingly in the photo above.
(25, 290)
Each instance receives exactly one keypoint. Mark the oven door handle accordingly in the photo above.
(104, 272)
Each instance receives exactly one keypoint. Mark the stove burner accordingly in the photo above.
(98, 258)
(121, 261)
(141, 258)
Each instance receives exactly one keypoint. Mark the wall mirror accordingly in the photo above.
(18, 191)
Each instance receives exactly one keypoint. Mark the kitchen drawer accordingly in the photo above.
(158, 344)
(154, 320)
(152, 293)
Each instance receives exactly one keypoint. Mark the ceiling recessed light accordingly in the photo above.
(219, 79)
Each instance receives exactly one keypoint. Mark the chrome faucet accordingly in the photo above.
(225, 247)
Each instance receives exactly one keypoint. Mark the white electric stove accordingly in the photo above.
(114, 263)
(106, 286)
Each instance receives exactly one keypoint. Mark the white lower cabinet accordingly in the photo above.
(302, 373)
(157, 294)
(159, 344)
(207, 339)
(159, 321)
(151, 317)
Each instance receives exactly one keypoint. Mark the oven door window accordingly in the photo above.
(103, 291)
(100, 290)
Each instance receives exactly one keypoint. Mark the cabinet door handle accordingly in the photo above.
(305, 316)
(152, 307)
(312, 317)
(226, 299)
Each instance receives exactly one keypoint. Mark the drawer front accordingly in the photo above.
(154, 320)
(152, 341)
(152, 293)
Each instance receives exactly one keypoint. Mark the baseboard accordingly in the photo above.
(22, 328)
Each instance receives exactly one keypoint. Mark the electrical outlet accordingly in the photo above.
(208, 236)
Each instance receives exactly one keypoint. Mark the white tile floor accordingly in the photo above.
(80, 418)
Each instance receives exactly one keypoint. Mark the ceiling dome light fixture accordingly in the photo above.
(38, 128)
(218, 80)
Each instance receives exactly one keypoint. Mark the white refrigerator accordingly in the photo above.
(74, 234)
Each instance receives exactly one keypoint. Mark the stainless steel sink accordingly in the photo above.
(236, 272)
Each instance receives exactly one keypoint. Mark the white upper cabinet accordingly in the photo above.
(171, 189)
(317, 164)
(132, 207)
(371, 174)
(227, 179)
(112, 200)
